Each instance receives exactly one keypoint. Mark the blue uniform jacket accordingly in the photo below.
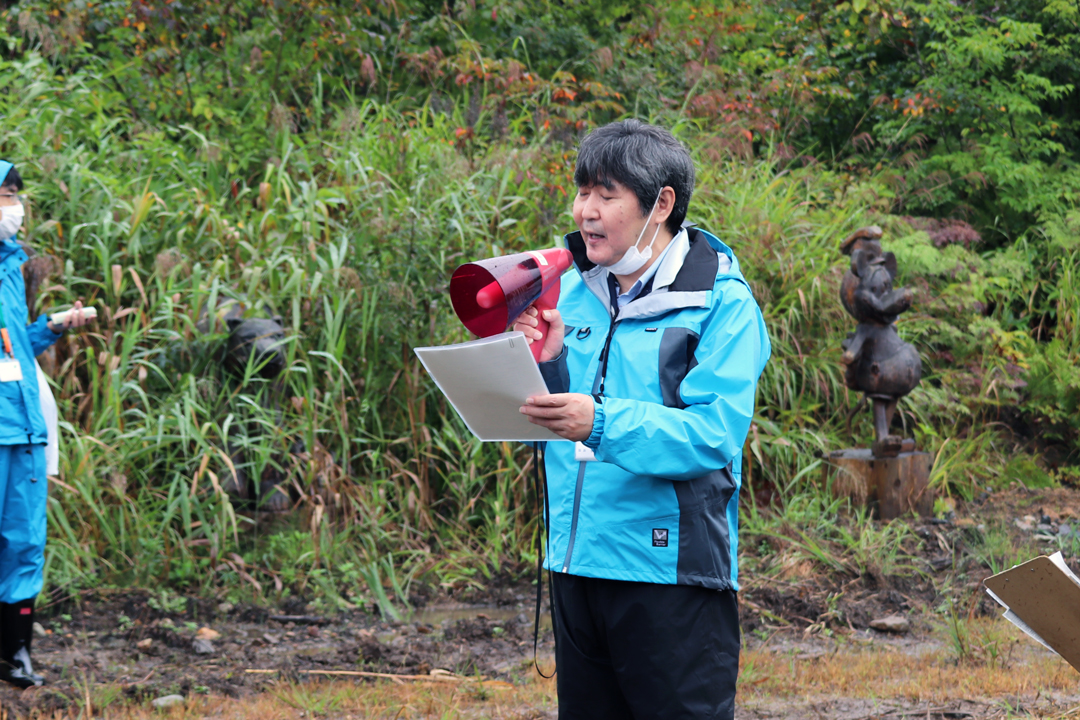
(660, 503)
(21, 421)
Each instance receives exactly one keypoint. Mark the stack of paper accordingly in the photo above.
(487, 381)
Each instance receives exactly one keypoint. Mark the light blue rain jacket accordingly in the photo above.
(21, 421)
(661, 502)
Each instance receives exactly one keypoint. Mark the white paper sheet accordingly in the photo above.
(1059, 561)
(487, 381)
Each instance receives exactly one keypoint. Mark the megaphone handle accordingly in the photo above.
(547, 301)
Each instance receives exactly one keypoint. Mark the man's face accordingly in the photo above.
(610, 221)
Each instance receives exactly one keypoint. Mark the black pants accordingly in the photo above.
(640, 651)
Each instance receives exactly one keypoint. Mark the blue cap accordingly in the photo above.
(5, 168)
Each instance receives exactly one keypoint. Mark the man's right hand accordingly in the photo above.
(76, 318)
(553, 342)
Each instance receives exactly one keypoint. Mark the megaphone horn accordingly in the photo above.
(488, 295)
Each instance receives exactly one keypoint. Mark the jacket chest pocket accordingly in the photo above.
(676, 359)
(584, 338)
(583, 344)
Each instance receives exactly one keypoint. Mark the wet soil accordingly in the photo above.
(123, 640)
(946, 561)
(119, 639)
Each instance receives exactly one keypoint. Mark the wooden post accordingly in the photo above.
(891, 486)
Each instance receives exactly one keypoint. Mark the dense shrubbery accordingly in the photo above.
(337, 161)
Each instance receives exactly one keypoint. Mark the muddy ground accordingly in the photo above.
(121, 639)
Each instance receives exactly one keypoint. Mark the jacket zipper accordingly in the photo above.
(598, 393)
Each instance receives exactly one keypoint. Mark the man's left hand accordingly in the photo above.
(569, 415)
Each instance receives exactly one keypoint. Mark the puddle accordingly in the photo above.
(438, 614)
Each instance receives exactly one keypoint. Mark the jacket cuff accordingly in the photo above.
(556, 373)
(40, 336)
(593, 441)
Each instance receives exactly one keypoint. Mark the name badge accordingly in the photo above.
(10, 370)
(583, 454)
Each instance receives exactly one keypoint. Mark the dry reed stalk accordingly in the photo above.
(435, 676)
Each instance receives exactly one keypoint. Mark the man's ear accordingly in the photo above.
(664, 205)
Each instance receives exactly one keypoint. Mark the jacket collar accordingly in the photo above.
(685, 278)
(9, 248)
(691, 265)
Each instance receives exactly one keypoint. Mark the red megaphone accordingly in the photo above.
(489, 294)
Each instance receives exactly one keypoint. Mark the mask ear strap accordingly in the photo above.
(654, 236)
(647, 221)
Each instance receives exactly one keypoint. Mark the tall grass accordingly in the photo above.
(349, 231)
(349, 235)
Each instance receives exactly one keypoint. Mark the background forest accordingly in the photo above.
(335, 160)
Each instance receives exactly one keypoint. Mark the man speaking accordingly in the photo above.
(652, 358)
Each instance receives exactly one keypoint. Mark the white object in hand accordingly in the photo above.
(487, 381)
(61, 317)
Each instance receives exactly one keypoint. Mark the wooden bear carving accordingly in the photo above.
(258, 342)
(876, 361)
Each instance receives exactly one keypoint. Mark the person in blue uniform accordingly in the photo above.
(23, 436)
(652, 360)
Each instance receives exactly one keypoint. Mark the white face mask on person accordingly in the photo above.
(634, 259)
(11, 219)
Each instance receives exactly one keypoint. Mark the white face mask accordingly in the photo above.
(634, 259)
(11, 218)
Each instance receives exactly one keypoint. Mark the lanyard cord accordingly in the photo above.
(599, 395)
(537, 461)
(3, 328)
(613, 288)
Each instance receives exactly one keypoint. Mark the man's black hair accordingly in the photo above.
(13, 180)
(644, 158)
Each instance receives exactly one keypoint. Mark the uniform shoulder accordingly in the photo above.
(733, 290)
(11, 255)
